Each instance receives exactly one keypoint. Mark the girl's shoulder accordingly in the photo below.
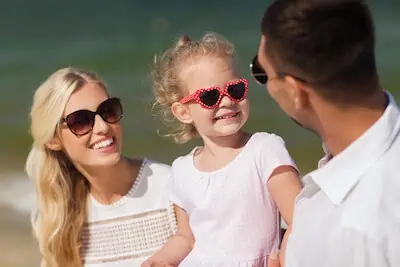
(265, 137)
(184, 161)
(260, 141)
(269, 152)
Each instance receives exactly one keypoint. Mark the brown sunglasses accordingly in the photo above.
(81, 122)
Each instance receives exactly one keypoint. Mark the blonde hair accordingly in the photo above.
(61, 190)
(167, 86)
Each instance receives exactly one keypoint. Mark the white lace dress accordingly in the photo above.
(126, 233)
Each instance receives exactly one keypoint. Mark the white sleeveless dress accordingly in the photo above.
(232, 215)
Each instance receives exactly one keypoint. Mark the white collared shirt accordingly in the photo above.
(348, 213)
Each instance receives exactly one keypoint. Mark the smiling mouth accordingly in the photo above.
(227, 116)
(103, 144)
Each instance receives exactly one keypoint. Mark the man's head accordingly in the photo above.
(316, 52)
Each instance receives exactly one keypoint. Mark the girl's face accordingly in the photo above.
(101, 145)
(228, 116)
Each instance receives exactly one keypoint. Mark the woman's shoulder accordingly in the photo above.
(157, 166)
(154, 174)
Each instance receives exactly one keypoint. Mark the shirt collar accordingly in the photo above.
(338, 175)
(322, 162)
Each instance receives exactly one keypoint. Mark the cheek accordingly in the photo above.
(245, 106)
(197, 111)
(200, 115)
(281, 96)
(273, 90)
(74, 145)
(116, 128)
(278, 92)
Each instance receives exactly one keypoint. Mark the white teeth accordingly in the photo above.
(103, 144)
(227, 116)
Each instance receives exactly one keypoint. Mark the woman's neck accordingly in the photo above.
(109, 184)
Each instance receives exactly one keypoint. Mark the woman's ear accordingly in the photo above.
(181, 112)
(55, 144)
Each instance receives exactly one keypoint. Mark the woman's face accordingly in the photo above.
(101, 146)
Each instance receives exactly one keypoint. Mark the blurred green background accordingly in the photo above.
(118, 39)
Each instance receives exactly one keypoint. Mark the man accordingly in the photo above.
(317, 59)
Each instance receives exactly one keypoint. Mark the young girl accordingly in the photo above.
(226, 193)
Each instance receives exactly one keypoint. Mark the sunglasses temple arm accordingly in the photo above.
(259, 75)
(186, 99)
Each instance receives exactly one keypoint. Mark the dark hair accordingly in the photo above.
(328, 43)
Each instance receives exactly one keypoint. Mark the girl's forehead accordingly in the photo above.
(208, 72)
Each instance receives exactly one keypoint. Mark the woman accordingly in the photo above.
(95, 206)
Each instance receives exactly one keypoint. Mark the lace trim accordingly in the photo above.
(131, 191)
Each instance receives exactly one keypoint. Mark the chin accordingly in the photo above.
(229, 127)
(304, 126)
(228, 130)
(107, 161)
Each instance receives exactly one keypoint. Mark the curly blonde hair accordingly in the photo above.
(167, 86)
(60, 188)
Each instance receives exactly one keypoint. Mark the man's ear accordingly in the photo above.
(55, 144)
(181, 112)
(299, 93)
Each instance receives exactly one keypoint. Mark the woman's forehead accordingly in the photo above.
(89, 96)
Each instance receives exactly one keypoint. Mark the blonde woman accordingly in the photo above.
(95, 207)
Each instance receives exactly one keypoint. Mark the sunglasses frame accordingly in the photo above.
(260, 74)
(261, 77)
(222, 92)
(93, 116)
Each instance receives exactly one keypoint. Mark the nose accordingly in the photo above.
(226, 101)
(100, 126)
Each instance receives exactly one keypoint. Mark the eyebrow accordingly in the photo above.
(64, 115)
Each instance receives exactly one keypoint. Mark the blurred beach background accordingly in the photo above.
(118, 39)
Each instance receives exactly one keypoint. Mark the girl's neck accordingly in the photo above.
(216, 144)
(220, 151)
(111, 183)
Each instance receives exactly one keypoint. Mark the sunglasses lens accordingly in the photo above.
(237, 91)
(111, 110)
(258, 72)
(80, 122)
(209, 98)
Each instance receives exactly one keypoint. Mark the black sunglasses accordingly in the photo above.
(258, 72)
(82, 121)
(261, 77)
